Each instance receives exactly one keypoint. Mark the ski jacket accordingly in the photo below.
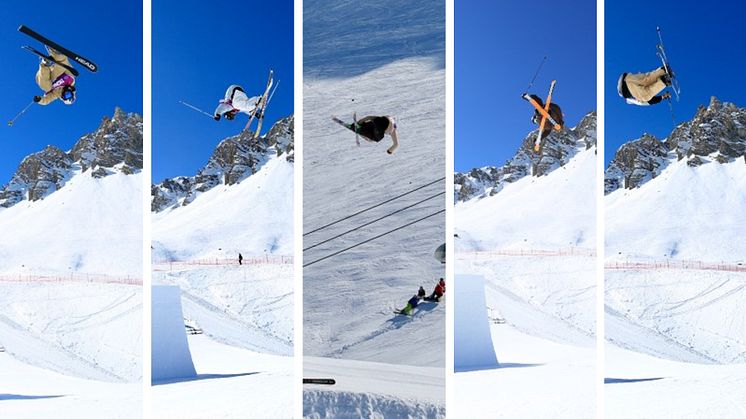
(374, 128)
(641, 88)
(414, 301)
(440, 289)
(236, 99)
(53, 79)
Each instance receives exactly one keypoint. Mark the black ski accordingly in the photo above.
(72, 70)
(325, 381)
(90, 65)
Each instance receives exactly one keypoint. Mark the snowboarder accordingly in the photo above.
(641, 88)
(438, 292)
(411, 304)
(554, 111)
(421, 293)
(55, 80)
(240, 259)
(373, 128)
(236, 101)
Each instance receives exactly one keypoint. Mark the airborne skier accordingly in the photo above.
(641, 88)
(54, 78)
(236, 101)
(554, 111)
(373, 129)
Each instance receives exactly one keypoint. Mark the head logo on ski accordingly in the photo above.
(56, 76)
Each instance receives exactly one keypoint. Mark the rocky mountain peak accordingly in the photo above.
(559, 148)
(717, 133)
(233, 160)
(116, 146)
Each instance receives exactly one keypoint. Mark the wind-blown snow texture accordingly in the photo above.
(384, 58)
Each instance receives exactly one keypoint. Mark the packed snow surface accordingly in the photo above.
(472, 341)
(170, 354)
(89, 226)
(691, 213)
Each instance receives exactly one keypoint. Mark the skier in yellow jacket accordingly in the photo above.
(55, 80)
(641, 88)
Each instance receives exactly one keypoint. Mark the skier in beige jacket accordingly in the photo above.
(55, 80)
(641, 88)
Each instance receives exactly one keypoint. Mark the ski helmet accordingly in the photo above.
(68, 95)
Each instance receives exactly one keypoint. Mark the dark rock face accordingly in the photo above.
(559, 148)
(717, 133)
(232, 161)
(116, 146)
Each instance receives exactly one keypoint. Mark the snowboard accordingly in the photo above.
(90, 65)
(325, 381)
(72, 70)
(259, 111)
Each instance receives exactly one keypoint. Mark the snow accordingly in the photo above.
(231, 383)
(63, 232)
(253, 217)
(689, 213)
(532, 243)
(243, 358)
(548, 212)
(372, 390)
(473, 348)
(169, 348)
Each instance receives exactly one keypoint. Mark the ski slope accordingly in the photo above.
(372, 390)
(548, 212)
(349, 299)
(231, 382)
(253, 217)
(63, 233)
(31, 392)
(690, 213)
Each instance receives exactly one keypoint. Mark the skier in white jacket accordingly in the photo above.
(236, 101)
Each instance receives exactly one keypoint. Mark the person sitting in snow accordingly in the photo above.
(641, 88)
(438, 292)
(236, 101)
(421, 293)
(55, 80)
(373, 128)
(411, 304)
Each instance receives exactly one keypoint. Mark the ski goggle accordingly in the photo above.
(68, 95)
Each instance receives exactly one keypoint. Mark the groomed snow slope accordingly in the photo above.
(349, 299)
(548, 212)
(252, 217)
(31, 392)
(231, 383)
(248, 306)
(690, 213)
(89, 226)
(85, 330)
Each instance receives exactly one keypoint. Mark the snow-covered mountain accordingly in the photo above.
(682, 197)
(558, 149)
(115, 147)
(58, 205)
(233, 160)
(717, 133)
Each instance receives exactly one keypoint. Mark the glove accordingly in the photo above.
(666, 95)
(37, 99)
(217, 117)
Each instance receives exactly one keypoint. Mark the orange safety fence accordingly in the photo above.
(489, 254)
(251, 260)
(71, 277)
(676, 264)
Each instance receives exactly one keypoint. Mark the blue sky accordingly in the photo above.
(199, 49)
(498, 46)
(704, 45)
(109, 35)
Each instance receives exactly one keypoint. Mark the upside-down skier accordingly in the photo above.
(554, 111)
(642, 88)
(54, 78)
(236, 101)
(373, 129)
